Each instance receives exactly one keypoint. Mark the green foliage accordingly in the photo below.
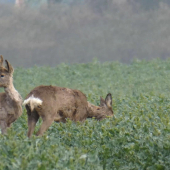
(138, 138)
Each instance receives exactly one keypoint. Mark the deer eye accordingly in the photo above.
(2, 75)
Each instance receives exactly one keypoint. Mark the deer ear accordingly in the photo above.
(9, 67)
(102, 102)
(1, 60)
(108, 100)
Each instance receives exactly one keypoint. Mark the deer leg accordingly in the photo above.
(80, 114)
(3, 126)
(10, 119)
(3, 118)
(45, 125)
(32, 120)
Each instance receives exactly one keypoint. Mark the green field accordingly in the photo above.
(138, 138)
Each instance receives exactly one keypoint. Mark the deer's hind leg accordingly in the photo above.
(47, 121)
(32, 120)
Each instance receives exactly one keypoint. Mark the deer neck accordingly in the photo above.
(95, 111)
(92, 110)
(11, 93)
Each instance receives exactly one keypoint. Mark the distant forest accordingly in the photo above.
(75, 31)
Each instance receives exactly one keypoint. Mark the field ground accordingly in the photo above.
(138, 138)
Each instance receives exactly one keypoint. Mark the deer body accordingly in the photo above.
(10, 100)
(53, 103)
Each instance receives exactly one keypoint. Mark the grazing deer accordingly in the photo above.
(10, 100)
(53, 103)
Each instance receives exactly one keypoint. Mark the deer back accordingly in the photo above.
(61, 102)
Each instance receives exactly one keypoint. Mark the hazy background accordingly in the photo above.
(76, 31)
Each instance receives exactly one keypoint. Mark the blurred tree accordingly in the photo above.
(19, 3)
(35, 3)
(99, 5)
(151, 4)
(7, 1)
(54, 1)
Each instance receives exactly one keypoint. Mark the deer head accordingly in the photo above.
(106, 105)
(103, 110)
(6, 73)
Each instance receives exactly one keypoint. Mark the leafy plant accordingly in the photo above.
(138, 138)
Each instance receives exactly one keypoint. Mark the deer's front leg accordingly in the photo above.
(3, 126)
(45, 125)
(3, 118)
(10, 119)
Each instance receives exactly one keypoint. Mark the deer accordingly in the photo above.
(10, 100)
(56, 104)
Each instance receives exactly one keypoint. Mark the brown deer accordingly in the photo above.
(53, 103)
(10, 100)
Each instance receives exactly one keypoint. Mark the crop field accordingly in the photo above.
(137, 138)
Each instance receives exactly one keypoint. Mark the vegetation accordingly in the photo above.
(138, 138)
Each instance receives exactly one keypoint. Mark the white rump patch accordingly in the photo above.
(33, 102)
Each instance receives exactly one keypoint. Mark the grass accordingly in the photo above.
(138, 138)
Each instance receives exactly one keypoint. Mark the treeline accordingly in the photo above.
(144, 4)
(109, 30)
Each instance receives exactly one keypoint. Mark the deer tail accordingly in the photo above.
(32, 102)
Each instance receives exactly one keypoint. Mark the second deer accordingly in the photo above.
(53, 103)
